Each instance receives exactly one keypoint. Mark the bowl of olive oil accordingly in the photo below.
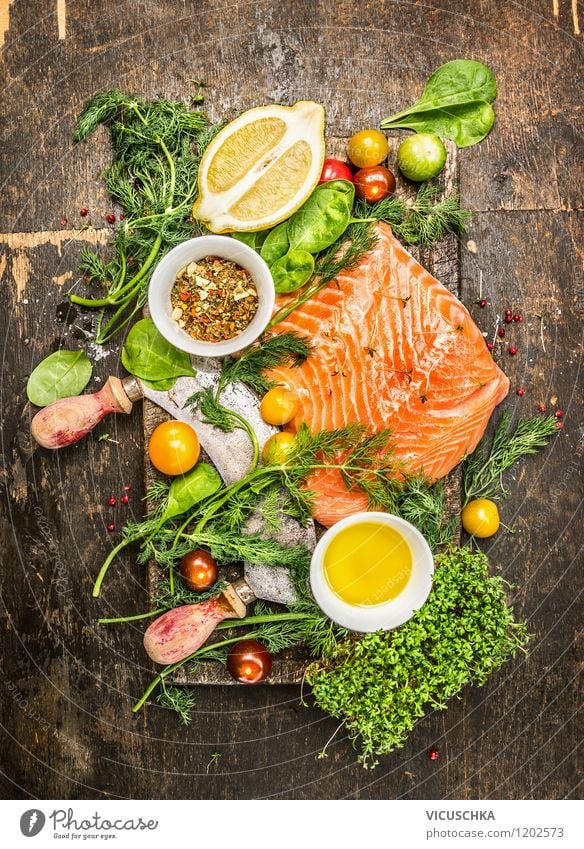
(371, 572)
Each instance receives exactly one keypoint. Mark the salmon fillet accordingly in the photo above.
(393, 348)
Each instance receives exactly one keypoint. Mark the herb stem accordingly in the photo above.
(135, 618)
(168, 670)
(107, 563)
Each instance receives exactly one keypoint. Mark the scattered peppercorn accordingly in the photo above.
(517, 317)
(83, 211)
(482, 303)
(490, 346)
(521, 392)
(433, 754)
(559, 425)
(111, 501)
(512, 350)
(508, 317)
(501, 332)
(127, 488)
(110, 218)
(110, 527)
(63, 222)
(541, 408)
(559, 414)
(124, 499)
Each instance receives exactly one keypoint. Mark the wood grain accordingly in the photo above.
(68, 683)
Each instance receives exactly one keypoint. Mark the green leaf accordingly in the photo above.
(252, 240)
(466, 124)
(292, 271)
(454, 103)
(60, 375)
(148, 355)
(323, 218)
(187, 490)
(276, 244)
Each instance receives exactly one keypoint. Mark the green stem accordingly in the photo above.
(258, 620)
(172, 169)
(133, 618)
(168, 670)
(107, 563)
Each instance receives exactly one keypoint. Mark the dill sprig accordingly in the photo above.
(153, 176)
(423, 505)
(421, 221)
(179, 699)
(482, 470)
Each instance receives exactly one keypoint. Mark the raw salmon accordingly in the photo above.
(393, 348)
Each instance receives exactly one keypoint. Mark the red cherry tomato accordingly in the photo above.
(375, 183)
(198, 570)
(334, 169)
(249, 662)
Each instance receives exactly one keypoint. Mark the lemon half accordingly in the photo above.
(261, 167)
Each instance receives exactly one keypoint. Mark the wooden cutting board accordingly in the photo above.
(443, 262)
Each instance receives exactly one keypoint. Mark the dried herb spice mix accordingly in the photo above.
(214, 299)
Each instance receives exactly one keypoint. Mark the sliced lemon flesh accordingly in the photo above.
(261, 167)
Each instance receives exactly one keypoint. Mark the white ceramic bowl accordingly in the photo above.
(389, 614)
(164, 277)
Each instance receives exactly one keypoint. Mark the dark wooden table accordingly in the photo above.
(68, 684)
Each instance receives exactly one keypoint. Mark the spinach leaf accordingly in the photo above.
(292, 271)
(59, 375)
(465, 124)
(253, 240)
(323, 217)
(187, 490)
(276, 244)
(454, 104)
(150, 357)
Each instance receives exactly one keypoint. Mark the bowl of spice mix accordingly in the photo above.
(211, 296)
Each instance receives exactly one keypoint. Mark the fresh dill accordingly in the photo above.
(423, 221)
(179, 699)
(153, 176)
(423, 505)
(482, 470)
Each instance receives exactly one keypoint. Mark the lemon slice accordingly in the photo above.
(261, 167)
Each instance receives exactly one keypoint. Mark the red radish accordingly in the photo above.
(181, 631)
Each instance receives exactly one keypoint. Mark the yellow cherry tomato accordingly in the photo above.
(174, 448)
(367, 147)
(279, 406)
(480, 518)
(277, 448)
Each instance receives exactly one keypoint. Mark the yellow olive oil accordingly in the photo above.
(368, 563)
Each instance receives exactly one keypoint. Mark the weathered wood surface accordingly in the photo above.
(68, 683)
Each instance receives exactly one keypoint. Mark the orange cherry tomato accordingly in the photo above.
(480, 518)
(277, 448)
(174, 448)
(367, 147)
(279, 406)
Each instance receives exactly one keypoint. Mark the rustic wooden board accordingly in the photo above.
(442, 261)
(67, 683)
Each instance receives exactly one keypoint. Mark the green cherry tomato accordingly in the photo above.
(480, 518)
(367, 147)
(421, 157)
